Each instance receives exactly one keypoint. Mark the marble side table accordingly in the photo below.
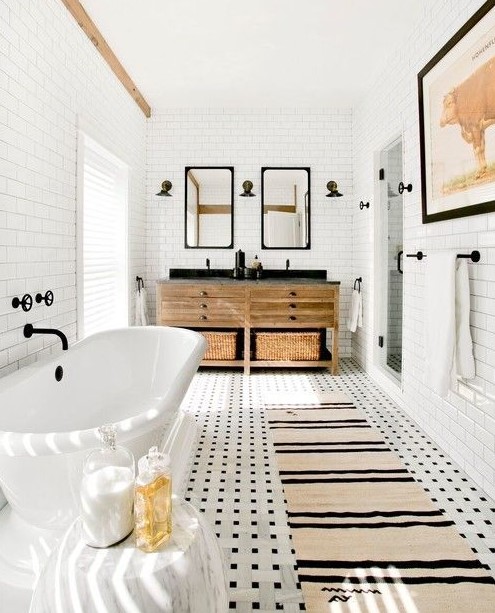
(185, 575)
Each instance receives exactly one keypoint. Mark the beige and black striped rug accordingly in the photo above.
(366, 536)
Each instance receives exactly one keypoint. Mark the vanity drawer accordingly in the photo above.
(214, 311)
(313, 319)
(203, 290)
(288, 292)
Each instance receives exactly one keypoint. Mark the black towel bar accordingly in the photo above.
(474, 256)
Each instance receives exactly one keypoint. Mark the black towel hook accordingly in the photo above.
(419, 255)
(359, 280)
(402, 187)
(140, 283)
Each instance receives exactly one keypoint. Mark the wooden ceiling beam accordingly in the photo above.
(85, 22)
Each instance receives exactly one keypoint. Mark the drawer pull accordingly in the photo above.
(292, 306)
(292, 294)
(203, 317)
(292, 318)
(203, 306)
(203, 293)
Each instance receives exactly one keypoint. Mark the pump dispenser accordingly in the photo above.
(107, 490)
(153, 500)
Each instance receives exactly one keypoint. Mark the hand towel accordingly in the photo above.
(447, 331)
(141, 315)
(356, 311)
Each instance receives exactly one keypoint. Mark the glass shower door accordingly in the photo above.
(391, 258)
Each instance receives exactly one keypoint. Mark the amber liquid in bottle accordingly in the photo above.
(153, 513)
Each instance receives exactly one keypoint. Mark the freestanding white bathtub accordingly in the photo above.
(135, 378)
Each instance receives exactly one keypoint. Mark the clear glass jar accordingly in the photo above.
(107, 492)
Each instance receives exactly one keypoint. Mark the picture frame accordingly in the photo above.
(456, 95)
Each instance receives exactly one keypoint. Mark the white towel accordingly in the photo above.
(447, 321)
(356, 312)
(141, 316)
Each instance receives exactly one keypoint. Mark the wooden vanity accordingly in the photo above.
(250, 307)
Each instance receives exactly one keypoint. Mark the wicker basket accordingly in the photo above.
(221, 345)
(287, 345)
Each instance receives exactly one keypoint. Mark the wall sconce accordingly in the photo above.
(333, 190)
(247, 186)
(166, 187)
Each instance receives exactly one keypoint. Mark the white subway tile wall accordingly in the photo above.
(50, 77)
(463, 424)
(249, 139)
(50, 74)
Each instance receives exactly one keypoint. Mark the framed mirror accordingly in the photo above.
(285, 208)
(209, 207)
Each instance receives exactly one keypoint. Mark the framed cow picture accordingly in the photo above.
(457, 122)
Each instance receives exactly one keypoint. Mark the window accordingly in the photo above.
(102, 296)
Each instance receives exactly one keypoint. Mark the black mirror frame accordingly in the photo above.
(231, 168)
(307, 204)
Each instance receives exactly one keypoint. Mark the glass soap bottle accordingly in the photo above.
(153, 501)
(107, 492)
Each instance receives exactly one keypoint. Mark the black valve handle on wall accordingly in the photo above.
(363, 205)
(26, 302)
(47, 298)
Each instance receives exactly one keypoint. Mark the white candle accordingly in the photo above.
(107, 496)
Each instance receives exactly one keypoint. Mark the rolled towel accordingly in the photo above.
(356, 311)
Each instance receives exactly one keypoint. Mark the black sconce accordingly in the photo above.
(247, 186)
(166, 187)
(333, 191)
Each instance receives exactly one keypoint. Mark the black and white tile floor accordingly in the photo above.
(234, 478)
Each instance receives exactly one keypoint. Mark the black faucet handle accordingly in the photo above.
(26, 303)
(47, 298)
(287, 264)
(208, 263)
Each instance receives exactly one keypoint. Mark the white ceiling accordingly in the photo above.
(254, 53)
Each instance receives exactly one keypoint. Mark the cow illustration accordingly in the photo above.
(472, 105)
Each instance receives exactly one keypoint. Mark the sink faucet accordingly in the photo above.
(287, 264)
(29, 330)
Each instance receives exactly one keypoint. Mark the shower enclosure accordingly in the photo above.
(390, 260)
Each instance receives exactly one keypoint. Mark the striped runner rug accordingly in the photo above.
(367, 537)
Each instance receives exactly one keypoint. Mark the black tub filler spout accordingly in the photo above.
(29, 330)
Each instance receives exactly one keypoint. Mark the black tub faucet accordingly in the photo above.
(208, 264)
(29, 330)
(287, 264)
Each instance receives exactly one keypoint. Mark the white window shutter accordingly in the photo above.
(103, 242)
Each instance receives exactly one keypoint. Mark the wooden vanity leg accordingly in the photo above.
(247, 350)
(335, 351)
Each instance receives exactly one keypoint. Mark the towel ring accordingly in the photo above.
(358, 281)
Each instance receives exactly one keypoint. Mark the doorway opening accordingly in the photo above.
(390, 261)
